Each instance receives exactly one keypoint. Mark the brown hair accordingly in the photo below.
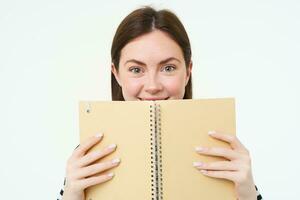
(142, 21)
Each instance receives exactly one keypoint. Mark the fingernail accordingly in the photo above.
(99, 135)
(197, 164)
(112, 146)
(116, 160)
(110, 174)
(211, 132)
(199, 149)
(203, 171)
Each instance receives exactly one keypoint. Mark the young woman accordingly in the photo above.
(151, 60)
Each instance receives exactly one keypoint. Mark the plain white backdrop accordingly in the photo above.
(55, 53)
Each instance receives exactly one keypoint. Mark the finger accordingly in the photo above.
(86, 145)
(97, 168)
(231, 139)
(93, 156)
(218, 151)
(220, 166)
(228, 175)
(94, 180)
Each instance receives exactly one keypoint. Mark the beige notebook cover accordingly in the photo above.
(156, 142)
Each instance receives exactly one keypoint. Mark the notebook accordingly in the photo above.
(156, 143)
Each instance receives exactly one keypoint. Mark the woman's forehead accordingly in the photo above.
(154, 46)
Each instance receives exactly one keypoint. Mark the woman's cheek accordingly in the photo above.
(131, 89)
(175, 87)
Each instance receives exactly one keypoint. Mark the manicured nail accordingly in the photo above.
(116, 160)
(199, 149)
(197, 164)
(110, 174)
(211, 132)
(99, 135)
(112, 146)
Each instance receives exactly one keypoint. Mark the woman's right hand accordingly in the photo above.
(81, 168)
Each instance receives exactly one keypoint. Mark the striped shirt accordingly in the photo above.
(61, 193)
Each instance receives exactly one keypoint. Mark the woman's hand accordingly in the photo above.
(237, 168)
(80, 168)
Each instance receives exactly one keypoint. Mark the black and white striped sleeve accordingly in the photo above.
(61, 192)
(259, 197)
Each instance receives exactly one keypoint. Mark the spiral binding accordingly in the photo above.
(156, 163)
(159, 151)
(154, 189)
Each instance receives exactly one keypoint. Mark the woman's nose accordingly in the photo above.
(153, 85)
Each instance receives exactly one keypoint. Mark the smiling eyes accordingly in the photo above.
(135, 70)
(167, 68)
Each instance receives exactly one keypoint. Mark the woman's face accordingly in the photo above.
(152, 67)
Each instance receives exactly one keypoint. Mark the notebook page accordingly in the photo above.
(127, 125)
(185, 125)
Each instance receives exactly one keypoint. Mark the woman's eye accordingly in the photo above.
(135, 70)
(169, 68)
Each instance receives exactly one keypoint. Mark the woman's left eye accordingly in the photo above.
(169, 68)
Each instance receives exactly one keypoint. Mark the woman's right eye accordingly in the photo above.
(135, 70)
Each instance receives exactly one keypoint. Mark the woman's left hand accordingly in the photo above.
(236, 168)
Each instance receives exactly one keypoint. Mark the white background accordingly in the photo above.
(55, 53)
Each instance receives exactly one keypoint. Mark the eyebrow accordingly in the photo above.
(161, 62)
